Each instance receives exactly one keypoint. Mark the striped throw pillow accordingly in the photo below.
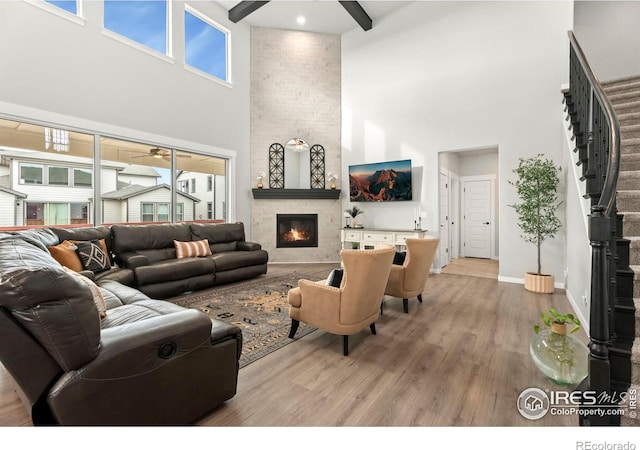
(192, 248)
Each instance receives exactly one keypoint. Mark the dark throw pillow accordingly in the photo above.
(398, 258)
(92, 256)
(335, 278)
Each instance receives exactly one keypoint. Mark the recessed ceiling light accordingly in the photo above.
(301, 20)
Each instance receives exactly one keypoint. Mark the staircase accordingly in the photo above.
(605, 121)
(624, 95)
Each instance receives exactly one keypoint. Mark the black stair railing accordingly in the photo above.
(597, 135)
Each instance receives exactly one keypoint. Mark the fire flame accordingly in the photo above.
(295, 235)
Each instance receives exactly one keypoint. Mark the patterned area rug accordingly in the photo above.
(260, 308)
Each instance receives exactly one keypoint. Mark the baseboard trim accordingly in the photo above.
(557, 284)
(584, 323)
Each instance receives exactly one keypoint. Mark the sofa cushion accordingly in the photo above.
(218, 233)
(177, 269)
(130, 238)
(235, 260)
(192, 248)
(96, 293)
(123, 276)
(86, 234)
(65, 254)
(335, 278)
(92, 256)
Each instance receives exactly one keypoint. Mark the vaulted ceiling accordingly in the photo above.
(324, 16)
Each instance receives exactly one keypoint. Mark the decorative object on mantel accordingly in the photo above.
(317, 166)
(354, 212)
(260, 177)
(276, 166)
(297, 145)
(558, 355)
(537, 187)
(332, 178)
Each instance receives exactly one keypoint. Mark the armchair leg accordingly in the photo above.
(345, 345)
(294, 327)
(420, 298)
(372, 327)
(405, 304)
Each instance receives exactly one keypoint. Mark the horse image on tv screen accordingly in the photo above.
(380, 182)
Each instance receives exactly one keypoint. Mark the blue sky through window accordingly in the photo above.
(71, 6)
(205, 46)
(142, 21)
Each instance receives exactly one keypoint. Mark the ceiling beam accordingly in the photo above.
(243, 9)
(359, 14)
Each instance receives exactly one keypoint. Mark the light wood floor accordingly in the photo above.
(473, 267)
(461, 358)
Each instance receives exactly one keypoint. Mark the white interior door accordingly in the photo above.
(444, 219)
(477, 219)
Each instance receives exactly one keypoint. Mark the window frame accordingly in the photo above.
(228, 81)
(42, 174)
(167, 56)
(77, 18)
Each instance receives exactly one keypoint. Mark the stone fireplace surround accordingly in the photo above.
(305, 103)
(263, 226)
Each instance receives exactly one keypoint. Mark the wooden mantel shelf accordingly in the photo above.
(302, 194)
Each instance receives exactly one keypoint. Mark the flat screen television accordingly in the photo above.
(380, 182)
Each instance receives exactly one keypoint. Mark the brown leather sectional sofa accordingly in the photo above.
(148, 362)
(146, 256)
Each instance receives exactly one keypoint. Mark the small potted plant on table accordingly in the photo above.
(354, 212)
(560, 356)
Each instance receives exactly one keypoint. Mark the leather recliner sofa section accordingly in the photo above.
(149, 251)
(148, 362)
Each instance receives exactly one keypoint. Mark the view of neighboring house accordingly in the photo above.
(39, 188)
(208, 188)
(135, 203)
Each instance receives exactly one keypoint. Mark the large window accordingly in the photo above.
(55, 186)
(142, 21)
(206, 44)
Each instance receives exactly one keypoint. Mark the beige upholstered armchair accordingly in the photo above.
(408, 280)
(351, 307)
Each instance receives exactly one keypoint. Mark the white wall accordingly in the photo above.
(62, 69)
(436, 76)
(8, 209)
(608, 34)
(578, 249)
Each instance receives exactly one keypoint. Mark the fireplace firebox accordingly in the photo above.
(296, 230)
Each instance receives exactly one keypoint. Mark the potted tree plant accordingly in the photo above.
(537, 186)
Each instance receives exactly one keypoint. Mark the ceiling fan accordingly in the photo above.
(160, 154)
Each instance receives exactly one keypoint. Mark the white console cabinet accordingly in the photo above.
(369, 238)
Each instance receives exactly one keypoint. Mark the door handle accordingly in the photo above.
(486, 223)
